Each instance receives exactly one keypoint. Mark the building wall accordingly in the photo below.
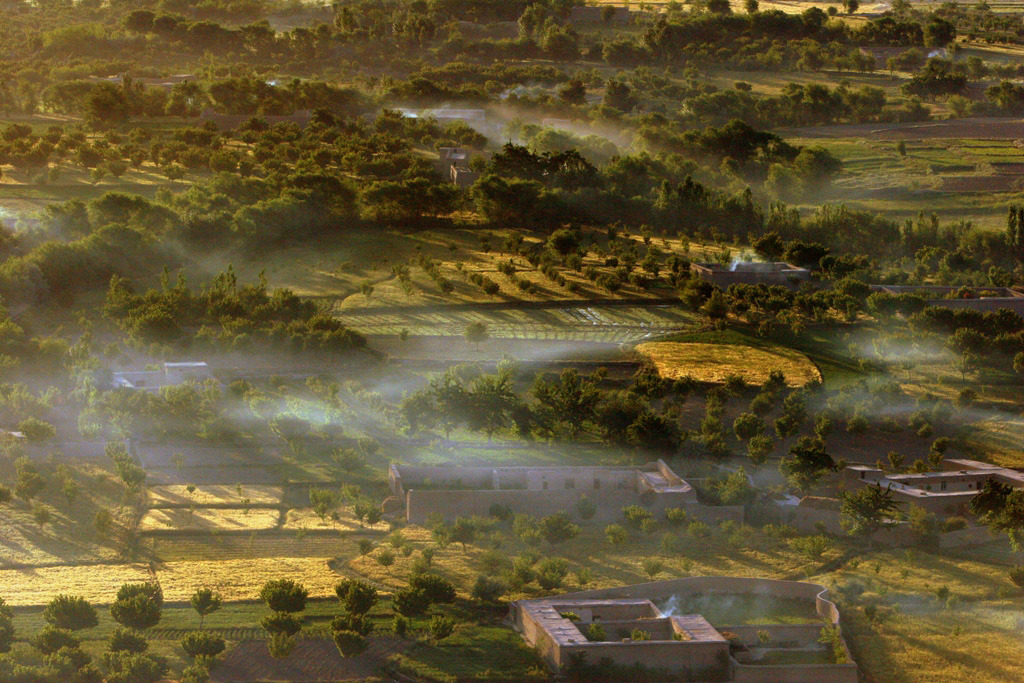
(703, 655)
(805, 673)
(704, 661)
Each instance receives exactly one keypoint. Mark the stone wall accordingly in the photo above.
(704, 656)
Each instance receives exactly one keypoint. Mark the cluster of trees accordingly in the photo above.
(226, 315)
(568, 405)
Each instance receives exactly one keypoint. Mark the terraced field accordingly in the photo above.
(598, 323)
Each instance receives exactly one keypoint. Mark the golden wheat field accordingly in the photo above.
(210, 519)
(212, 494)
(239, 579)
(715, 362)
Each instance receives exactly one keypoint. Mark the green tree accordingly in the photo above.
(349, 643)
(138, 605)
(476, 334)
(868, 509)
(807, 463)
(71, 612)
(570, 400)
(358, 597)
(202, 644)
(205, 602)
(284, 595)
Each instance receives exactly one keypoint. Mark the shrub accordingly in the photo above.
(502, 512)
(493, 561)
(401, 625)
(281, 623)
(557, 528)
(441, 627)
(349, 643)
(70, 612)
(124, 640)
(595, 633)
(51, 639)
(616, 534)
(66, 661)
(586, 508)
(202, 644)
(652, 566)
(698, 529)
(365, 546)
(352, 622)
(639, 635)
(676, 516)
(410, 602)
(635, 515)
(488, 590)
(284, 595)
(551, 573)
(436, 589)
(357, 596)
(953, 524)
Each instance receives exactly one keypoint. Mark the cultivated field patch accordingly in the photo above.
(715, 362)
(210, 519)
(239, 579)
(177, 495)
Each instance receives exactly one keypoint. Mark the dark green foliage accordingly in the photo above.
(211, 317)
(51, 639)
(124, 640)
(349, 643)
(358, 597)
(281, 623)
(202, 644)
(70, 612)
(410, 602)
(436, 589)
(284, 595)
(138, 605)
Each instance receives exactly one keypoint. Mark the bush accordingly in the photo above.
(51, 639)
(67, 661)
(488, 590)
(349, 643)
(284, 595)
(586, 508)
(281, 623)
(1016, 575)
(698, 529)
(410, 602)
(70, 612)
(358, 597)
(441, 627)
(676, 516)
(352, 622)
(596, 633)
(124, 640)
(401, 625)
(635, 515)
(557, 528)
(436, 589)
(501, 512)
(616, 534)
(551, 573)
(953, 524)
(202, 644)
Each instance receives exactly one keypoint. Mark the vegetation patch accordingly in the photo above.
(716, 362)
